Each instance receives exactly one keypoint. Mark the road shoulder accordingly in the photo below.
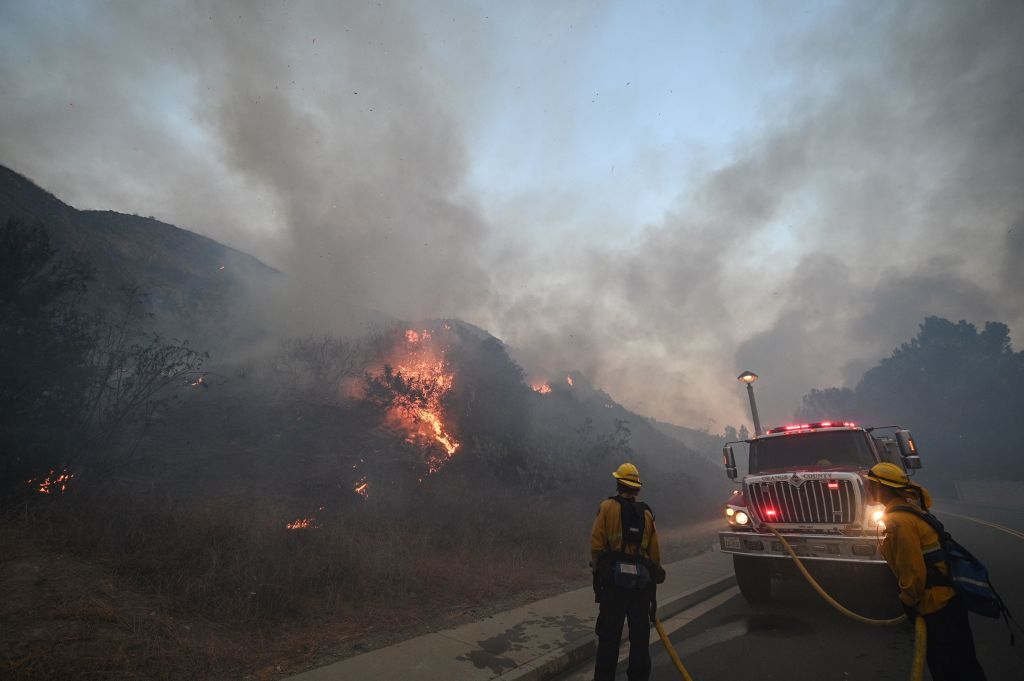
(529, 643)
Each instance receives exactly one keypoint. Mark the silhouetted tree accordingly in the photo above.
(75, 383)
(958, 388)
(44, 348)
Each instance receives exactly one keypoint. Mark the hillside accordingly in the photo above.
(708, 445)
(231, 506)
(196, 286)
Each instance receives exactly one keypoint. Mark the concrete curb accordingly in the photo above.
(577, 652)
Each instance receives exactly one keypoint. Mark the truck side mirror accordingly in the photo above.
(730, 461)
(908, 449)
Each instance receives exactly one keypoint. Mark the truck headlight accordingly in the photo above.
(875, 514)
(736, 515)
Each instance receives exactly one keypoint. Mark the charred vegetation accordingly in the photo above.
(405, 476)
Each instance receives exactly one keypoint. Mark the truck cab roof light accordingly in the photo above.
(797, 427)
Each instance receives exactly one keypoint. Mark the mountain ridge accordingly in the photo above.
(193, 282)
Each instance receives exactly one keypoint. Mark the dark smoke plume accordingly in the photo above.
(881, 185)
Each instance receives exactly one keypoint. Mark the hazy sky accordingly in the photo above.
(657, 194)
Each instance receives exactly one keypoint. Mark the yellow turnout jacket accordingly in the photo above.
(606, 534)
(907, 540)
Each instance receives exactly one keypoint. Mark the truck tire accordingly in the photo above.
(753, 577)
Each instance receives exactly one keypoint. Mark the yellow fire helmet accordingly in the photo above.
(628, 475)
(889, 474)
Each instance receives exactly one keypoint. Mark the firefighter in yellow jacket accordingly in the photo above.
(626, 559)
(913, 551)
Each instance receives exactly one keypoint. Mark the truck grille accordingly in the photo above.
(810, 502)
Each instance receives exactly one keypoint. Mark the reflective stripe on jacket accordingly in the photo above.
(606, 533)
(908, 539)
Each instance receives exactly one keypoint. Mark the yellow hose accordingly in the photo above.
(828, 599)
(920, 630)
(920, 644)
(672, 651)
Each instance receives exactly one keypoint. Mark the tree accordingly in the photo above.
(134, 374)
(834, 403)
(316, 366)
(78, 383)
(44, 348)
(956, 387)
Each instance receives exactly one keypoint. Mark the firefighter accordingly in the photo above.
(626, 560)
(913, 551)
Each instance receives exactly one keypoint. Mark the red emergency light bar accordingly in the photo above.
(797, 427)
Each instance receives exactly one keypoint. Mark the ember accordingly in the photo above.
(303, 524)
(542, 388)
(52, 483)
(414, 337)
(569, 380)
(362, 488)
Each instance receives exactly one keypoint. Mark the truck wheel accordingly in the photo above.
(753, 577)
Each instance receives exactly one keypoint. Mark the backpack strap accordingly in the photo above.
(934, 556)
(637, 508)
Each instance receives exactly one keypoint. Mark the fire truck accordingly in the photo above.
(807, 481)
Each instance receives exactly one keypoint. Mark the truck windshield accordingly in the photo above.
(836, 448)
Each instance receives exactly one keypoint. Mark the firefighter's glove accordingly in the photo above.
(910, 611)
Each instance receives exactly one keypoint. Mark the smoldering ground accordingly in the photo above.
(880, 186)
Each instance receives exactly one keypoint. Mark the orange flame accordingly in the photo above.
(51, 484)
(362, 488)
(417, 337)
(303, 524)
(542, 388)
(569, 380)
(201, 381)
(419, 412)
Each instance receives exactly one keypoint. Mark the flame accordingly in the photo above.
(201, 381)
(417, 337)
(424, 420)
(419, 410)
(303, 524)
(542, 388)
(362, 488)
(51, 484)
(569, 380)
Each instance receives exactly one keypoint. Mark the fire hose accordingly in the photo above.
(920, 631)
(672, 651)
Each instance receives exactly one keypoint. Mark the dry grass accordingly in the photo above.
(116, 586)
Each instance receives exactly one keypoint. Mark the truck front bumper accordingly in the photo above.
(828, 547)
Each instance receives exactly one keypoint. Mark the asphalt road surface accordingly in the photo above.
(798, 636)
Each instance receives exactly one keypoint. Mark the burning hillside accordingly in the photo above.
(415, 383)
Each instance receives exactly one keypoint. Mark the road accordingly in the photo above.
(799, 636)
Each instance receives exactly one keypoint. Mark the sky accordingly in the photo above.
(659, 195)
